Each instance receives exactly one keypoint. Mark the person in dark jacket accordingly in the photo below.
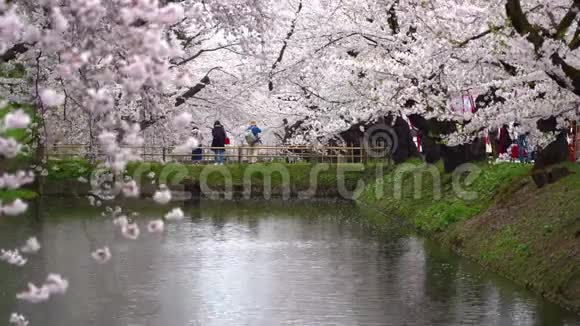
(505, 140)
(493, 138)
(218, 143)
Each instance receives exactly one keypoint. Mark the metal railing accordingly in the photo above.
(233, 154)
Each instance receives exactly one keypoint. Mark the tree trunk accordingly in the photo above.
(405, 147)
(455, 156)
(431, 149)
(555, 153)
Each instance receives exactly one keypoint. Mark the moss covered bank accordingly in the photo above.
(498, 218)
(71, 177)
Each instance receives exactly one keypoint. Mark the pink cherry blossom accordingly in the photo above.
(131, 231)
(51, 98)
(17, 207)
(12, 257)
(162, 196)
(9, 147)
(121, 221)
(170, 14)
(175, 215)
(16, 120)
(130, 189)
(182, 120)
(56, 284)
(34, 294)
(15, 181)
(60, 22)
(186, 147)
(102, 255)
(32, 246)
(155, 226)
(18, 320)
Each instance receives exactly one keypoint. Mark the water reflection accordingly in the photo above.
(252, 263)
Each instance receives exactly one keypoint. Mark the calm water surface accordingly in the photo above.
(256, 263)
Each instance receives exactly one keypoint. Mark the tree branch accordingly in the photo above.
(201, 85)
(567, 21)
(284, 46)
(307, 91)
(199, 53)
(575, 43)
(392, 19)
(571, 78)
(521, 24)
(478, 36)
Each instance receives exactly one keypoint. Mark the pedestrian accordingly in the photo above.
(218, 143)
(197, 152)
(522, 140)
(505, 140)
(514, 152)
(253, 140)
(493, 138)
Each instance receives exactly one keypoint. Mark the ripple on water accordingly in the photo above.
(267, 267)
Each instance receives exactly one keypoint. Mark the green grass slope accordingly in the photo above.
(499, 218)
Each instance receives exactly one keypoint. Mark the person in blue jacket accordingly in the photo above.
(253, 140)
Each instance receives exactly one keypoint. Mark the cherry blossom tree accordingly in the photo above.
(371, 58)
(106, 70)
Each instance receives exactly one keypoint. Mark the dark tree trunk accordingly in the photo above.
(556, 152)
(405, 147)
(382, 132)
(431, 149)
(455, 156)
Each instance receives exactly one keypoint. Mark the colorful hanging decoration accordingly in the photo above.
(464, 103)
(468, 102)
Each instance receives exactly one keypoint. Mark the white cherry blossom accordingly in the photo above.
(102, 255)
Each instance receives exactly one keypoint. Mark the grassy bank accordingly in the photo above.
(71, 176)
(277, 177)
(500, 219)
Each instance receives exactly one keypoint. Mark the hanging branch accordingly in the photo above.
(567, 21)
(195, 89)
(491, 30)
(479, 36)
(536, 35)
(393, 19)
(309, 92)
(575, 43)
(202, 51)
(284, 46)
